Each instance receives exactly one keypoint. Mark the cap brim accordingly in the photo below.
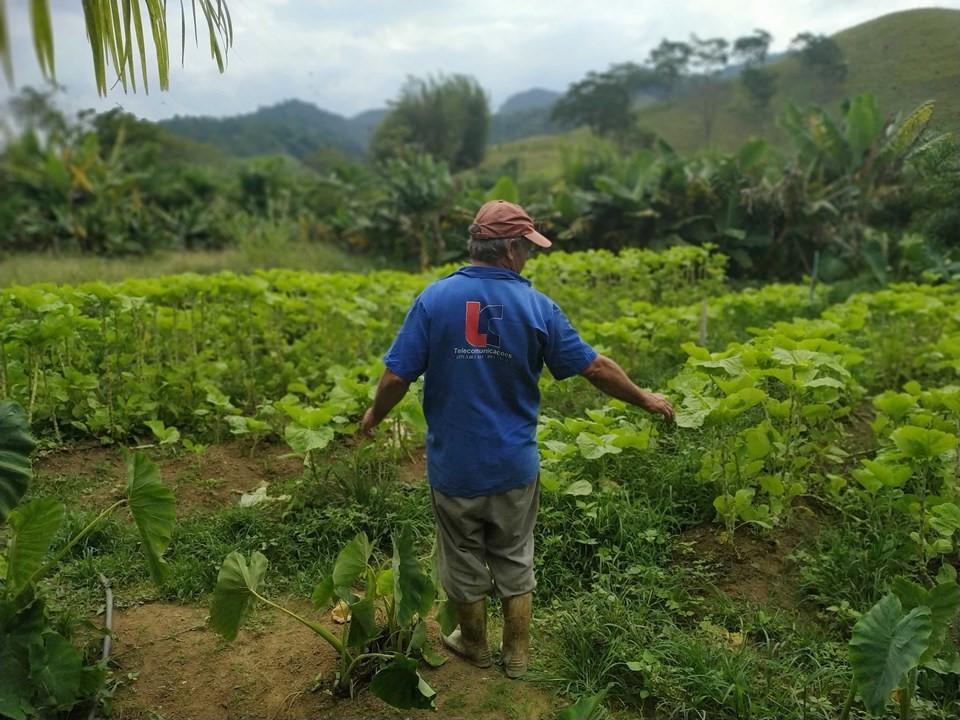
(538, 239)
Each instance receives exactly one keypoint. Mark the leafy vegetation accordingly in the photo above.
(43, 673)
(446, 117)
(120, 43)
(868, 198)
(789, 406)
(402, 594)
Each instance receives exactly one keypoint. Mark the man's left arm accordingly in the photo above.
(390, 391)
(405, 362)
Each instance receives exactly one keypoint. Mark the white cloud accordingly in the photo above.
(350, 56)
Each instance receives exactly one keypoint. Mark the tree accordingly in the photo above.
(759, 82)
(117, 37)
(708, 59)
(447, 117)
(670, 62)
(822, 55)
(604, 102)
(752, 49)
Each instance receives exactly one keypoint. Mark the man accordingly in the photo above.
(482, 336)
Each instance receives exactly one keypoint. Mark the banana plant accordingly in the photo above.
(844, 171)
(42, 672)
(905, 632)
(384, 630)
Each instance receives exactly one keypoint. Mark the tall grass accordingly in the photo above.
(248, 256)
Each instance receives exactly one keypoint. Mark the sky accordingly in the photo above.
(347, 56)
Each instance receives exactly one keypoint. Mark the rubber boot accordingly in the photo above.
(516, 634)
(469, 640)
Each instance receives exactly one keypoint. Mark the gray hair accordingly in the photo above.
(490, 251)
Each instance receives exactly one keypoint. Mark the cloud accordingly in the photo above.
(351, 56)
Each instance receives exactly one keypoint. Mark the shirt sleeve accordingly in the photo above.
(566, 354)
(407, 357)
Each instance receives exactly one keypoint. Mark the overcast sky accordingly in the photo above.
(351, 55)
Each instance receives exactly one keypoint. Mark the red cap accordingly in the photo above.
(502, 219)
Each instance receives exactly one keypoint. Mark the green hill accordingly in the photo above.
(292, 127)
(904, 59)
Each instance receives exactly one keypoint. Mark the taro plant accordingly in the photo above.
(41, 673)
(905, 633)
(385, 609)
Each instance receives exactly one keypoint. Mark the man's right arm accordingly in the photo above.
(609, 378)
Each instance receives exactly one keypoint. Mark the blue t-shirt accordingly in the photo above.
(482, 336)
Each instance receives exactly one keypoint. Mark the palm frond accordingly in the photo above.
(5, 55)
(117, 37)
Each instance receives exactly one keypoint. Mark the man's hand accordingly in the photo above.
(390, 391)
(368, 423)
(656, 403)
(610, 378)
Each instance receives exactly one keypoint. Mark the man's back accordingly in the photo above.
(482, 336)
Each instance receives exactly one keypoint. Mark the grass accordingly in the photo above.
(72, 269)
(540, 157)
(904, 59)
(625, 602)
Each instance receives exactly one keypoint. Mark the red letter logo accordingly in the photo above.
(477, 315)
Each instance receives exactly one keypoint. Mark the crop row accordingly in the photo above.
(777, 417)
(191, 351)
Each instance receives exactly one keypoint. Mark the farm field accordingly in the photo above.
(758, 560)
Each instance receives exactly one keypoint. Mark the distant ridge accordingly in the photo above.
(532, 99)
(292, 127)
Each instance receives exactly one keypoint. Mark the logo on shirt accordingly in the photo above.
(478, 331)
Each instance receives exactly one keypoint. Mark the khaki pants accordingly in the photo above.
(485, 543)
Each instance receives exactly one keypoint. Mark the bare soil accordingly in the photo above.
(757, 568)
(172, 667)
(204, 482)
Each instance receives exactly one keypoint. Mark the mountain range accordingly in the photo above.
(299, 128)
(903, 58)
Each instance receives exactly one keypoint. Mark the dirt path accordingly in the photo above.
(173, 668)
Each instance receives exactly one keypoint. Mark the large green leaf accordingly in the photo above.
(304, 440)
(352, 561)
(363, 623)
(895, 404)
(233, 593)
(59, 669)
(322, 593)
(16, 690)
(34, 526)
(504, 189)
(400, 685)
(447, 617)
(943, 600)
(906, 133)
(886, 644)
(154, 511)
(413, 591)
(16, 444)
(864, 125)
(918, 442)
